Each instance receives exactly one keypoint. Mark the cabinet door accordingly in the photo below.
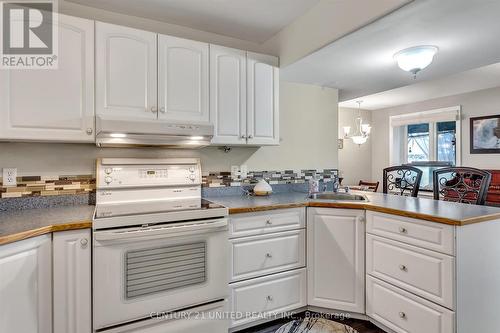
(182, 79)
(335, 258)
(72, 276)
(26, 286)
(263, 96)
(58, 104)
(228, 95)
(126, 72)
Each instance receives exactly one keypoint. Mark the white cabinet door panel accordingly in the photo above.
(58, 104)
(26, 286)
(182, 79)
(228, 95)
(126, 72)
(335, 259)
(72, 278)
(263, 109)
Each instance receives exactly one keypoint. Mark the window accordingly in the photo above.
(434, 141)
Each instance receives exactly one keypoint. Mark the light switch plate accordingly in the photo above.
(9, 177)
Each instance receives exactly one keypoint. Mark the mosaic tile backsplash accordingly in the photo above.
(226, 179)
(32, 186)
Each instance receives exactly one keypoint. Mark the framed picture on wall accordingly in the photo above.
(485, 135)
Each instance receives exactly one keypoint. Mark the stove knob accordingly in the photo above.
(191, 169)
(192, 177)
(108, 170)
(108, 179)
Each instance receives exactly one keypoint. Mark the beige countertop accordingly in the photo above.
(420, 208)
(22, 224)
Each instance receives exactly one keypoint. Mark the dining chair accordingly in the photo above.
(461, 184)
(402, 180)
(372, 186)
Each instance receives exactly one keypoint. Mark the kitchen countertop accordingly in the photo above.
(420, 208)
(22, 224)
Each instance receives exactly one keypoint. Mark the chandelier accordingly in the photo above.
(362, 130)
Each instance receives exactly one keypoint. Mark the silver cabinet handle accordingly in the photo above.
(243, 136)
(403, 230)
(84, 242)
(90, 131)
(250, 136)
(154, 109)
(402, 315)
(403, 268)
(162, 110)
(269, 298)
(268, 222)
(269, 255)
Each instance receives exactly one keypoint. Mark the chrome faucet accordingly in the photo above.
(336, 184)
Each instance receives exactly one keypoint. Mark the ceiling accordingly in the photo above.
(472, 80)
(361, 63)
(251, 20)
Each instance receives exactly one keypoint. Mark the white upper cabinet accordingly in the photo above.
(58, 104)
(126, 72)
(26, 286)
(336, 259)
(182, 79)
(262, 99)
(228, 95)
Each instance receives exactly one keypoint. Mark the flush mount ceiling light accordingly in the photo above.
(416, 58)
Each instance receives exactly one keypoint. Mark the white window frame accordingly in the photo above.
(431, 117)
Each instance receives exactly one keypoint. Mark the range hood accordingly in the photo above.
(151, 133)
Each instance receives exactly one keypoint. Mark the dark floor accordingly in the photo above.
(360, 325)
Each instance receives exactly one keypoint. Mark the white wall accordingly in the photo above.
(354, 161)
(474, 104)
(308, 131)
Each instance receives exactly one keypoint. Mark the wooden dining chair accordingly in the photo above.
(372, 186)
(402, 180)
(461, 184)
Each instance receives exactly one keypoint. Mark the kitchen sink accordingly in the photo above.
(338, 196)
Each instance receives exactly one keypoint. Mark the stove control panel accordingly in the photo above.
(118, 172)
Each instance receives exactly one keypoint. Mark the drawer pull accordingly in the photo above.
(403, 230)
(270, 298)
(402, 315)
(269, 255)
(403, 268)
(268, 222)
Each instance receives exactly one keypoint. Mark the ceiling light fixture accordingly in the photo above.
(415, 59)
(362, 130)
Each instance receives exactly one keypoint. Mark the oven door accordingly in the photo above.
(139, 271)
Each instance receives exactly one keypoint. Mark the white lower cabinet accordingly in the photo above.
(336, 259)
(404, 312)
(266, 296)
(72, 281)
(26, 286)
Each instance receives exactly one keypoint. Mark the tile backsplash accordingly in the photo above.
(32, 186)
(226, 179)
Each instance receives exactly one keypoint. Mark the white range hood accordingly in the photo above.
(151, 133)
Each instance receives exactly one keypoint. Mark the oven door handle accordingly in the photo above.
(170, 230)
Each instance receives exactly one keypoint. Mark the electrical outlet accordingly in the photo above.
(9, 177)
(243, 171)
(234, 171)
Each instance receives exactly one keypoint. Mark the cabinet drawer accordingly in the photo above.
(270, 294)
(430, 235)
(404, 312)
(260, 255)
(426, 273)
(249, 224)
